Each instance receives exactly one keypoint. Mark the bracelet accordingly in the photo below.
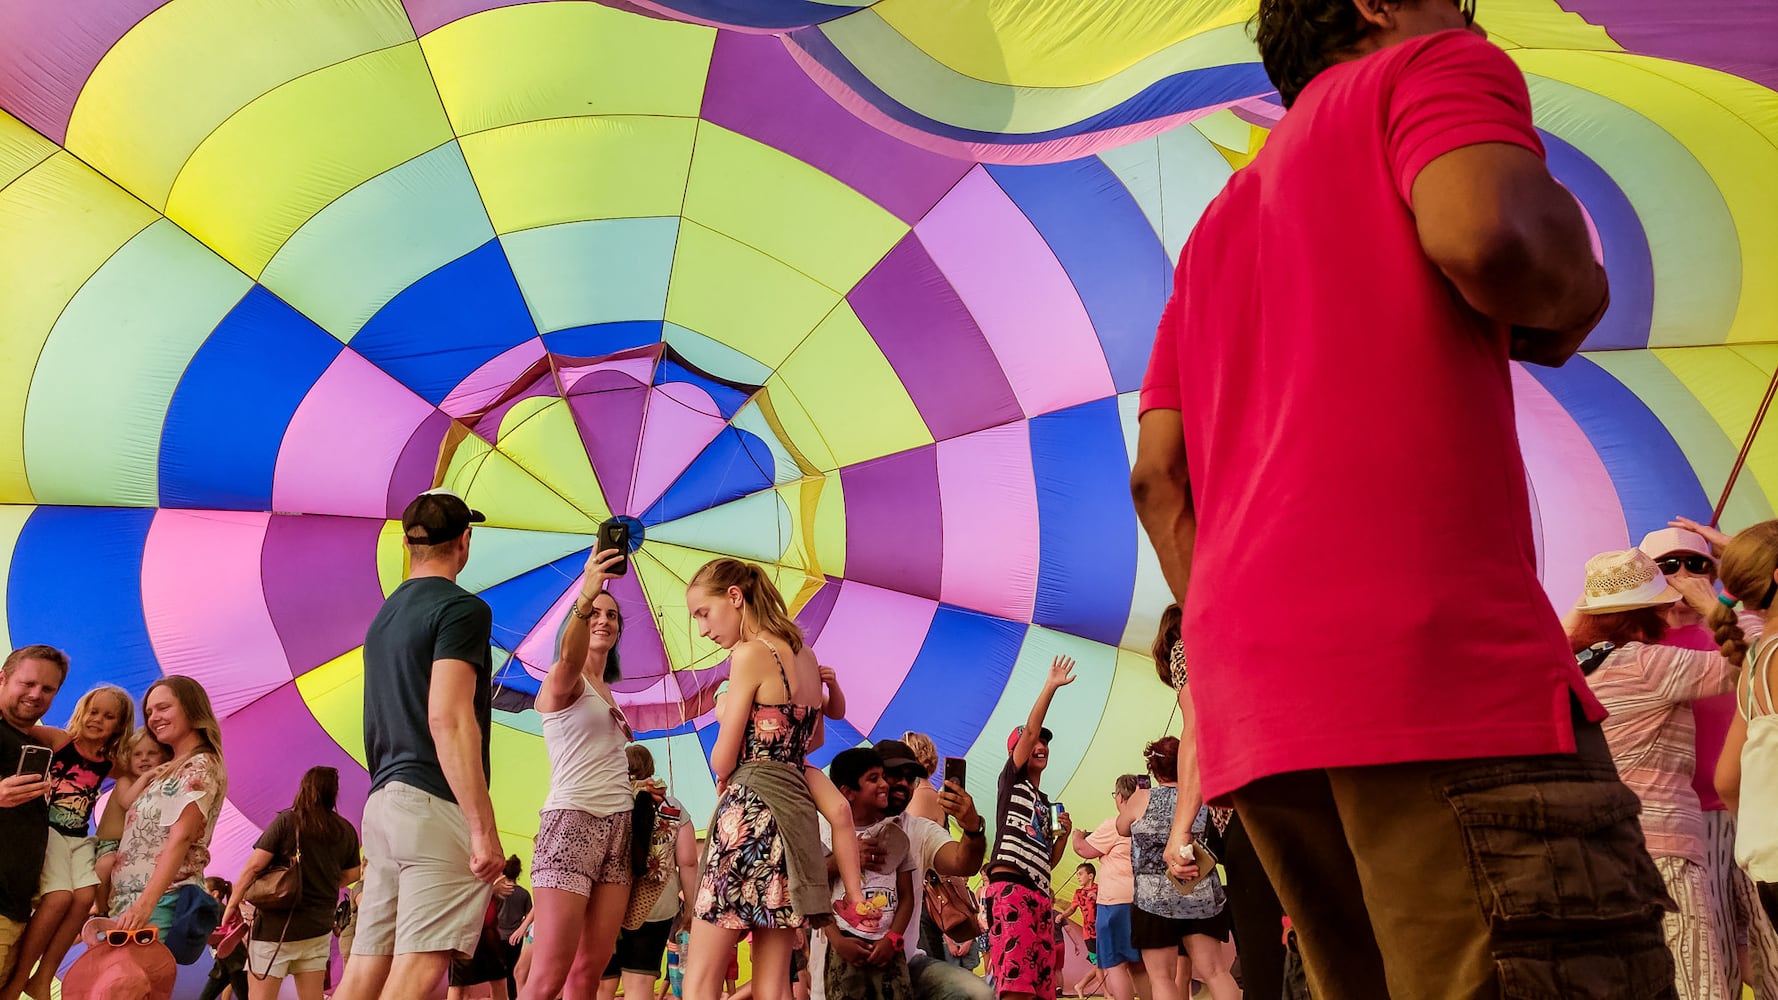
(978, 833)
(574, 609)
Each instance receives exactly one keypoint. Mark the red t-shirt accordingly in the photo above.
(1364, 587)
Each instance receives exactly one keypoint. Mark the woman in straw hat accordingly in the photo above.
(1648, 689)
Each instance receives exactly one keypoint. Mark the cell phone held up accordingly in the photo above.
(34, 761)
(615, 534)
(957, 772)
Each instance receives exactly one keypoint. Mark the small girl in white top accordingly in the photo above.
(580, 871)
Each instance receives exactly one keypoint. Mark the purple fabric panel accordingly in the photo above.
(757, 89)
(644, 656)
(266, 738)
(933, 343)
(427, 15)
(489, 425)
(418, 463)
(1735, 36)
(48, 49)
(321, 587)
(610, 424)
(894, 526)
(813, 616)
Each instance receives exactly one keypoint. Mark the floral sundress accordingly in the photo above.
(148, 826)
(746, 880)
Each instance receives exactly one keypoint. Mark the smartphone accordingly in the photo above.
(1143, 781)
(615, 534)
(956, 771)
(35, 761)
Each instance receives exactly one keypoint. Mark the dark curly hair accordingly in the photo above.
(1298, 39)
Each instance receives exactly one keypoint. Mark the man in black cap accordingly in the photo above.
(432, 851)
(934, 850)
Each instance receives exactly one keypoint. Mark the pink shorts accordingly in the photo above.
(1021, 939)
(574, 850)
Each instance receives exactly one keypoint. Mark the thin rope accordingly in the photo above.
(1746, 448)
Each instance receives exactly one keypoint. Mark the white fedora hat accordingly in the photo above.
(1624, 581)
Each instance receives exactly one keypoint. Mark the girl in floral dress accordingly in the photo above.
(764, 869)
(166, 837)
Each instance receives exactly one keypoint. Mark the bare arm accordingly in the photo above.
(1191, 787)
(562, 686)
(1084, 847)
(1061, 675)
(962, 858)
(1160, 486)
(1728, 764)
(185, 832)
(733, 709)
(1131, 811)
(1514, 243)
(450, 715)
(835, 706)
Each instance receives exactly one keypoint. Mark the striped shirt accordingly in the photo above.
(1653, 736)
(1022, 831)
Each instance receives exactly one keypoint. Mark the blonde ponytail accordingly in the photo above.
(759, 596)
(1746, 571)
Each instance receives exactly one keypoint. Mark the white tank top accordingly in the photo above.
(587, 767)
(1756, 833)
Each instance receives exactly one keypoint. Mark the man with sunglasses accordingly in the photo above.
(1685, 549)
(1337, 346)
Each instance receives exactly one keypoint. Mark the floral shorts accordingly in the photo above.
(1021, 939)
(575, 850)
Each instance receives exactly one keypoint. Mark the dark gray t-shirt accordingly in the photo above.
(24, 829)
(426, 619)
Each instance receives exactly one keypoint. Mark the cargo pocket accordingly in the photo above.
(1571, 896)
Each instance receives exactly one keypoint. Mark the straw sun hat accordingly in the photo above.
(1624, 581)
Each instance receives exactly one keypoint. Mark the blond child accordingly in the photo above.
(85, 754)
(144, 756)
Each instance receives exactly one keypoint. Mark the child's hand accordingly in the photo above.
(830, 677)
(1061, 672)
(882, 951)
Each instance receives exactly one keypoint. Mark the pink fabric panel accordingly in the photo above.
(485, 384)
(989, 497)
(48, 49)
(538, 650)
(1019, 295)
(344, 441)
(681, 420)
(205, 604)
(232, 842)
(1579, 507)
(871, 639)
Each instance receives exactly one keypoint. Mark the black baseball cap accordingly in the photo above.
(897, 755)
(438, 516)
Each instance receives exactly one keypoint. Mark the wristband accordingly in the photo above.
(978, 833)
(896, 940)
(1727, 601)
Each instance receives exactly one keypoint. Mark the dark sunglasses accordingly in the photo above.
(1700, 565)
(141, 935)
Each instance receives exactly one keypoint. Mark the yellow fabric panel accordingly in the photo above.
(512, 497)
(1541, 24)
(1730, 384)
(505, 66)
(577, 169)
(391, 557)
(734, 294)
(539, 434)
(1729, 125)
(21, 148)
(187, 67)
(663, 570)
(788, 418)
(849, 390)
(786, 208)
(521, 756)
(12, 523)
(58, 223)
(1052, 43)
(334, 692)
(820, 504)
(285, 157)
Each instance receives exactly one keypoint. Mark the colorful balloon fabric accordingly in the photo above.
(860, 291)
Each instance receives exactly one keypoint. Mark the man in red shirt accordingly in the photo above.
(1427, 786)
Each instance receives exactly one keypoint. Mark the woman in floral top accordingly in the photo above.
(166, 838)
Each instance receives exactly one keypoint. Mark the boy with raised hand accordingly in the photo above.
(1028, 842)
(866, 960)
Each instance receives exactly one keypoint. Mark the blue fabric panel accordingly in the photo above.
(1107, 246)
(840, 736)
(1654, 479)
(1086, 522)
(775, 15)
(728, 399)
(1627, 257)
(76, 584)
(956, 680)
(737, 463)
(219, 447)
(520, 603)
(449, 323)
(600, 339)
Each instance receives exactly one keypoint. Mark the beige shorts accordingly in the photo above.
(271, 960)
(67, 864)
(10, 932)
(419, 894)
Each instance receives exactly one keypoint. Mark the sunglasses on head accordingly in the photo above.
(141, 935)
(1700, 565)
